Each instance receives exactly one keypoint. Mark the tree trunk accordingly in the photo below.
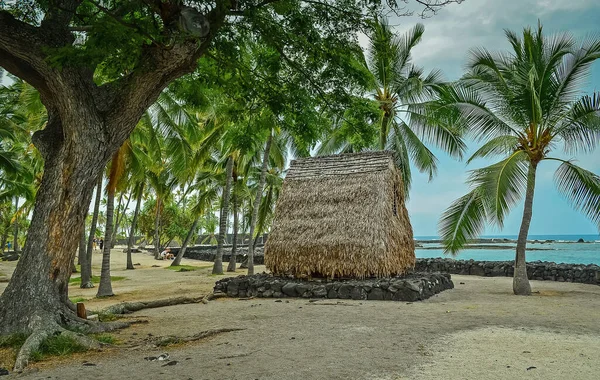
(16, 227)
(218, 265)
(184, 245)
(232, 258)
(521, 286)
(257, 199)
(82, 247)
(86, 264)
(37, 295)
(117, 220)
(157, 230)
(4, 238)
(105, 287)
(130, 241)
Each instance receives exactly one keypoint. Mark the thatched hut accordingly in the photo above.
(341, 216)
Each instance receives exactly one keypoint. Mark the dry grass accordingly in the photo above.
(341, 216)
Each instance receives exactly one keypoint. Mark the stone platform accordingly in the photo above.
(412, 287)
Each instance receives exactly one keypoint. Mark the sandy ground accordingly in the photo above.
(478, 330)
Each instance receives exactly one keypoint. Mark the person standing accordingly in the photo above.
(101, 244)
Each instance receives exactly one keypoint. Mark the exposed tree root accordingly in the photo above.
(40, 334)
(171, 339)
(130, 307)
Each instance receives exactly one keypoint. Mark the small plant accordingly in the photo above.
(58, 345)
(78, 299)
(105, 338)
(13, 341)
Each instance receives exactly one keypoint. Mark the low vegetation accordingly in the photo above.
(95, 279)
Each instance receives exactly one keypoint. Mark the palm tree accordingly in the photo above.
(397, 88)
(523, 103)
(117, 167)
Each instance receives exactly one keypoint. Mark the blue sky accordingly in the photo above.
(447, 40)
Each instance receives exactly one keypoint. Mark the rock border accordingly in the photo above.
(412, 287)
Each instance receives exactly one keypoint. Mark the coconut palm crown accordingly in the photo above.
(399, 89)
(524, 104)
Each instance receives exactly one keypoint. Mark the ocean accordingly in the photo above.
(563, 249)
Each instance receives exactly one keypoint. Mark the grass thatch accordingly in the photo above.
(335, 218)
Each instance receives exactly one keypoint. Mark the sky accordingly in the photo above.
(448, 37)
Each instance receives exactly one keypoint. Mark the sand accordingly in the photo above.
(478, 330)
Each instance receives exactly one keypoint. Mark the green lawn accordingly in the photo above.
(95, 279)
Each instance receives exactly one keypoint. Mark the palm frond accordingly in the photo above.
(504, 184)
(501, 145)
(463, 220)
(581, 187)
(580, 129)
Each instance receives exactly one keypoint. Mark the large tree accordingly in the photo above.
(98, 65)
(523, 104)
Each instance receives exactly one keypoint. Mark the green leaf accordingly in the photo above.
(463, 220)
(581, 187)
(503, 183)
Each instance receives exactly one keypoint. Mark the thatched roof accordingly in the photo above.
(336, 217)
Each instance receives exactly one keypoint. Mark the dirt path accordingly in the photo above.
(478, 330)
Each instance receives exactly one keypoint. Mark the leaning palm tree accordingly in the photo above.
(395, 87)
(524, 103)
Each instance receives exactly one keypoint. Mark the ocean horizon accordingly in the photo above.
(563, 249)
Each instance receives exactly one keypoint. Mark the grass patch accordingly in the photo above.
(78, 299)
(95, 279)
(105, 338)
(13, 341)
(186, 268)
(107, 317)
(58, 345)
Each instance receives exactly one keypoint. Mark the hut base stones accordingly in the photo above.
(341, 216)
(412, 287)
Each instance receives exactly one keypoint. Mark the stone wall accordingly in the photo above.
(413, 287)
(208, 253)
(536, 270)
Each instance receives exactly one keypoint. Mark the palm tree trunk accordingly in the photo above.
(82, 247)
(105, 287)
(218, 265)
(16, 227)
(257, 199)
(232, 258)
(157, 230)
(521, 286)
(133, 224)
(184, 245)
(121, 216)
(117, 220)
(86, 263)
(4, 238)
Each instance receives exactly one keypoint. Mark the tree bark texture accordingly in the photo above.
(232, 258)
(130, 241)
(257, 200)
(37, 293)
(105, 287)
(86, 265)
(218, 265)
(521, 284)
(186, 242)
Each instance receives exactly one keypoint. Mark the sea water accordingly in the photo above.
(564, 249)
